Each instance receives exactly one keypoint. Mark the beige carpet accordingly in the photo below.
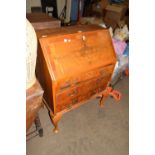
(88, 130)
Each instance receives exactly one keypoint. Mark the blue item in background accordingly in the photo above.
(74, 10)
(126, 51)
(117, 1)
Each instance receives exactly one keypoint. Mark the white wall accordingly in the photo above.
(32, 3)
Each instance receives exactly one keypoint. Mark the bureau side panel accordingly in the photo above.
(43, 75)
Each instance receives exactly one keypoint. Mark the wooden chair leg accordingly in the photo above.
(38, 126)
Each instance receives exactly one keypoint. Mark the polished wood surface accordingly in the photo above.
(42, 21)
(74, 65)
(33, 103)
(67, 30)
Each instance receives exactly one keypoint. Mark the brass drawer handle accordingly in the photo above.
(69, 106)
(65, 86)
(103, 72)
(73, 93)
(76, 82)
(74, 101)
(98, 81)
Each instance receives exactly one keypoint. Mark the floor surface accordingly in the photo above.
(87, 130)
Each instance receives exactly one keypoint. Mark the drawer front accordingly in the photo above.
(74, 95)
(77, 91)
(69, 94)
(75, 81)
(67, 103)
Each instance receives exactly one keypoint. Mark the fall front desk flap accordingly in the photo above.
(80, 52)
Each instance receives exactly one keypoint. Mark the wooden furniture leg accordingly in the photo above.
(110, 91)
(55, 119)
(38, 126)
(102, 100)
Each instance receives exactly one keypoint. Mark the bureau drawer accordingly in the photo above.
(67, 94)
(69, 102)
(100, 72)
(84, 91)
(103, 72)
(66, 104)
(83, 88)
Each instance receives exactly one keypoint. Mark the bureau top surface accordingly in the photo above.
(67, 30)
(75, 50)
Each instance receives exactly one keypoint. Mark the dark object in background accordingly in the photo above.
(116, 1)
(38, 130)
(62, 15)
(95, 7)
(42, 21)
(36, 9)
(74, 11)
(104, 4)
(50, 3)
(87, 10)
(114, 14)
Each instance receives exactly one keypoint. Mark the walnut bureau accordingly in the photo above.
(74, 65)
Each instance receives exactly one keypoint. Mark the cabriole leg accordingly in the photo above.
(55, 119)
(110, 91)
(102, 101)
